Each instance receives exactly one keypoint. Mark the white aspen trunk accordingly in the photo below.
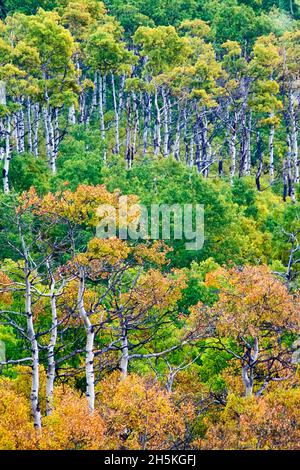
(157, 138)
(95, 91)
(72, 115)
(51, 346)
(2, 93)
(15, 132)
(125, 353)
(294, 137)
(121, 94)
(21, 133)
(117, 134)
(248, 154)
(207, 147)
(49, 142)
(36, 119)
(191, 151)
(104, 95)
(82, 107)
(271, 151)
(166, 123)
(34, 394)
(147, 122)
(186, 144)
(177, 137)
(128, 151)
(7, 156)
(232, 149)
(135, 124)
(291, 188)
(90, 335)
(101, 114)
(56, 139)
(29, 126)
(198, 153)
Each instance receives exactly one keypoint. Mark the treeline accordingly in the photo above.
(223, 100)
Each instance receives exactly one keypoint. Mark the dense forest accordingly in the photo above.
(113, 343)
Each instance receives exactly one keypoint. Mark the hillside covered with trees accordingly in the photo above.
(113, 343)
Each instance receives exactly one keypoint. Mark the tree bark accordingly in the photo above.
(51, 346)
(90, 335)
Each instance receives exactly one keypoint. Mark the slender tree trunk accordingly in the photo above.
(72, 115)
(128, 151)
(29, 126)
(101, 113)
(191, 151)
(178, 135)
(157, 138)
(34, 394)
(198, 152)
(291, 181)
(271, 152)
(51, 345)
(36, 119)
(7, 156)
(125, 352)
(259, 160)
(117, 144)
(135, 124)
(294, 136)
(248, 154)
(90, 335)
(166, 123)
(232, 148)
(147, 122)
(185, 135)
(21, 132)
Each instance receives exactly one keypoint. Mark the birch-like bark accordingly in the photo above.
(72, 115)
(260, 161)
(51, 345)
(7, 156)
(101, 114)
(116, 110)
(198, 151)
(49, 137)
(21, 131)
(294, 139)
(185, 135)
(34, 394)
(147, 121)
(56, 138)
(290, 176)
(29, 126)
(191, 151)
(36, 119)
(128, 150)
(248, 152)
(232, 148)
(157, 137)
(166, 123)
(89, 348)
(135, 124)
(177, 136)
(124, 352)
(95, 92)
(271, 151)
(2, 93)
